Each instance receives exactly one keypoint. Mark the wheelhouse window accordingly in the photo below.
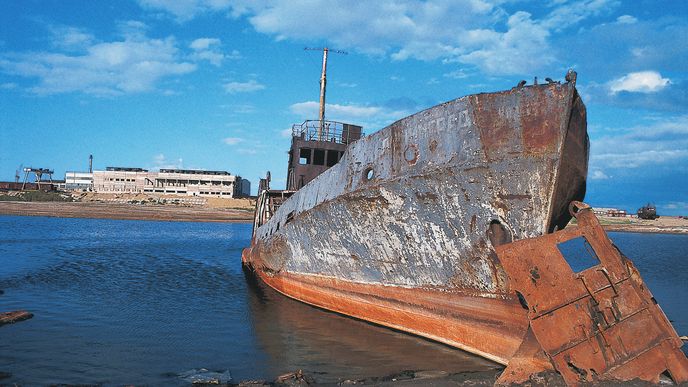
(305, 156)
(332, 157)
(319, 156)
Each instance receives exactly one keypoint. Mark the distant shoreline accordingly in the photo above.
(662, 225)
(200, 213)
(120, 211)
(646, 229)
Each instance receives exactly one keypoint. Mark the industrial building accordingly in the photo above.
(79, 181)
(189, 182)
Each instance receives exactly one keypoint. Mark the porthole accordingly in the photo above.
(368, 174)
(411, 154)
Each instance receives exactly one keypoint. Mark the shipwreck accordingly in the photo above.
(451, 224)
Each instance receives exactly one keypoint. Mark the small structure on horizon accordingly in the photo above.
(38, 173)
(613, 212)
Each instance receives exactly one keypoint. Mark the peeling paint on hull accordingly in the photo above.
(405, 231)
(407, 211)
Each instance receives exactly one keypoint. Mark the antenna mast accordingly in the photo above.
(323, 84)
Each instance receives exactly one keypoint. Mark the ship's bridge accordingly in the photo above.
(315, 147)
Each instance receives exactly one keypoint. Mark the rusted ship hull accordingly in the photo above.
(403, 231)
(411, 241)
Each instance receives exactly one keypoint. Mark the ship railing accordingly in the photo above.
(331, 131)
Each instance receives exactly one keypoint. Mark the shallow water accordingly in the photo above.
(120, 302)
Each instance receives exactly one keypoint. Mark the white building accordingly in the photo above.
(79, 181)
(119, 180)
(194, 183)
(188, 182)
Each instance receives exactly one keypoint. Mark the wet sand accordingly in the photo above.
(126, 211)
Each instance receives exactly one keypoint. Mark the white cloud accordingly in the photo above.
(457, 74)
(682, 206)
(71, 38)
(243, 109)
(663, 142)
(597, 174)
(204, 43)
(161, 162)
(311, 108)
(234, 55)
(640, 82)
(345, 84)
(567, 14)
(286, 133)
(521, 49)
(132, 65)
(641, 158)
(243, 87)
(207, 49)
(232, 140)
(185, 10)
(626, 19)
(8, 86)
(475, 32)
(369, 117)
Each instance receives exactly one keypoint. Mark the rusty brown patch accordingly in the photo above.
(540, 121)
(495, 121)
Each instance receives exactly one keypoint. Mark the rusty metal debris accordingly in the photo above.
(13, 317)
(600, 323)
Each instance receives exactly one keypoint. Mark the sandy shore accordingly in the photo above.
(142, 207)
(126, 211)
(664, 224)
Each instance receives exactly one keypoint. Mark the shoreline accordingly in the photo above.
(204, 213)
(641, 229)
(117, 211)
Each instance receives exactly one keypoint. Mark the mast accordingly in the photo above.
(323, 84)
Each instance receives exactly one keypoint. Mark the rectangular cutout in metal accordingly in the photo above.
(578, 254)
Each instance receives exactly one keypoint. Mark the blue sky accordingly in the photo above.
(216, 84)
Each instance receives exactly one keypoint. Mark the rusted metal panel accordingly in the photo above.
(600, 323)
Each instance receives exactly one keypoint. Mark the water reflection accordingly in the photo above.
(333, 347)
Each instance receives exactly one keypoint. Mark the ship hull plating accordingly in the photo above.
(403, 231)
(416, 208)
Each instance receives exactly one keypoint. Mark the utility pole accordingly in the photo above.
(323, 84)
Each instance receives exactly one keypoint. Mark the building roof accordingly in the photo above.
(194, 171)
(125, 169)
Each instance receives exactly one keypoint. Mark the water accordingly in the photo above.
(124, 302)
